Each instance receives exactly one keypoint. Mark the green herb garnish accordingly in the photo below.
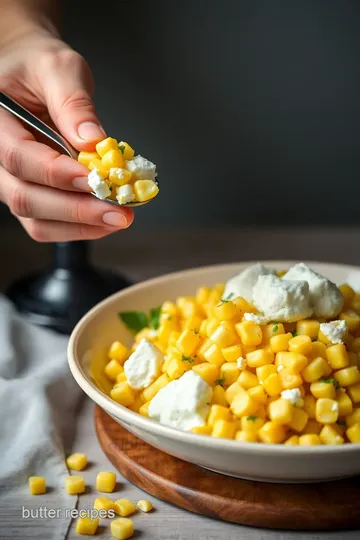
(154, 317)
(122, 148)
(294, 333)
(276, 327)
(220, 382)
(227, 298)
(331, 381)
(251, 418)
(137, 320)
(187, 359)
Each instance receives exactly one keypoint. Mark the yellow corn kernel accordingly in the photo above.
(263, 372)
(144, 409)
(292, 441)
(353, 433)
(345, 403)
(218, 412)
(308, 328)
(271, 330)
(251, 423)
(355, 346)
(231, 354)
(104, 146)
(74, 485)
(86, 157)
(327, 411)
(193, 323)
(211, 326)
(218, 397)
(202, 295)
(188, 342)
(170, 309)
(104, 503)
(209, 372)
(176, 367)
(310, 406)
(113, 369)
(258, 393)
(289, 379)
(280, 342)
(139, 402)
(272, 433)
(294, 362)
(145, 333)
(204, 346)
(353, 418)
(351, 318)
(214, 355)
(309, 440)
(121, 378)
(355, 303)
(106, 482)
(151, 391)
(318, 349)
(315, 370)
(87, 526)
(281, 411)
(118, 352)
(145, 190)
(224, 428)
(202, 430)
(312, 427)
(230, 372)
(37, 485)
(243, 404)
(233, 390)
(202, 329)
(144, 505)
(348, 294)
(96, 164)
(300, 344)
(299, 420)
(323, 389)
(249, 333)
(225, 311)
(122, 528)
(273, 385)
(245, 436)
(224, 335)
(354, 392)
(122, 393)
(119, 176)
(329, 435)
(260, 357)
(353, 358)
(213, 300)
(77, 461)
(337, 356)
(126, 150)
(347, 376)
(124, 507)
(247, 379)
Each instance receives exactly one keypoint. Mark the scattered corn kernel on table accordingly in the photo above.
(173, 251)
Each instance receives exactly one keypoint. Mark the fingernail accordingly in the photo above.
(90, 131)
(81, 182)
(115, 220)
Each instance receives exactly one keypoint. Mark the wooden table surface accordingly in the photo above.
(142, 254)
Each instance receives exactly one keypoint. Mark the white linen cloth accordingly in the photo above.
(38, 399)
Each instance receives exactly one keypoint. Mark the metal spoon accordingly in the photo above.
(26, 116)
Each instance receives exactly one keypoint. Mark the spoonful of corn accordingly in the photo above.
(116, 175)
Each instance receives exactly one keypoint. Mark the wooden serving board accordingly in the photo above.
(329, 505)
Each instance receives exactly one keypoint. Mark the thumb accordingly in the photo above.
(67, 86)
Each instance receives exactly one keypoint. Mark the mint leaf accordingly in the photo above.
(122, 148)
(134, 320)
(187, 359)
(154, 317)
(251, 418)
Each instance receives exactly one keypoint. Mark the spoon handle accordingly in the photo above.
(26, 116)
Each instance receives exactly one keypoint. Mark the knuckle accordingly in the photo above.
(19, 201)
(78, 100)
(49, 172)
(9, 158)
(77, 212)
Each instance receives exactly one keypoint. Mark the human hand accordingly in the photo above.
(45, 190)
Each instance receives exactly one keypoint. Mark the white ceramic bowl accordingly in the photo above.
(87, 354)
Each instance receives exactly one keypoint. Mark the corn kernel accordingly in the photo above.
(145, 190)
(209, 372)
(121, 377)
(309, 440)
(113, 369)
(271, 330)
(348, 294)
(294, 362)
(230, 372)
(259, 358)
(202, 430)
(355, 303)
(351, 318)
(214, 355)
(139, 402)
(263, 372)
(225, 311)
(258, 393)
(231, 354)
(86, 157)
(245, 436)
(272, 433)
(74, 485)
(124, 507)
(188, 342)
(144, 409)
(281, 411)
(243, 404)
(318, 349)
(96, 164)
(104, 503)
(300, 344)
(122, 393)
(224, 335)
(144, 505)
(106, 482)
(193, 323)
(345, 404)
(37, 485)
(76, 462)
(249, 333)
(354, 392)
(308, 328)
(327, 411)
(202, 295)
(292, 441)
(118, 352)
(151, 391)
(312, 427)
(122, 528)
(87, 526)
(280, 342)
(353, 418)
(329, 435)
(289, 379)
(299, 420)
(176, 367)
(247, 379)
(337, 356)
(353, 433)
(251, 423)
(322, 389)
(104, 146)
(218, 412)
(233, 390)
(218, 396)
(315, 370)
(126, 150)
(273, 385)
(347, 376)
(119, 176)
(224, 429)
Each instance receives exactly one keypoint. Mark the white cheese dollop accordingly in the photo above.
(125, 194)
(281, 300)
(144, 365)
(325, 298)
(334, 330)
(98, 185)
(242, 284)
(141, 168)
(294, 396)
(258, 319)
(183, 403)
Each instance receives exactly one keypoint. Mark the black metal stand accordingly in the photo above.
(58, 297)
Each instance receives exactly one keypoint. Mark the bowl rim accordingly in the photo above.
(153, 427)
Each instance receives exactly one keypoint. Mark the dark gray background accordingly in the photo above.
(250, 109)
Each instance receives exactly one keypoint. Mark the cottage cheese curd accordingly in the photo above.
(141, 167)
(98, 185)
(242, 284)
(334, 331)
(144, 365)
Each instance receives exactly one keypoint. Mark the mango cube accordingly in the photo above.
(77, 461)
(124, 507)
(106, 482)
(122, 528)
(74, 485)
(87, 526)
(37, 485)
